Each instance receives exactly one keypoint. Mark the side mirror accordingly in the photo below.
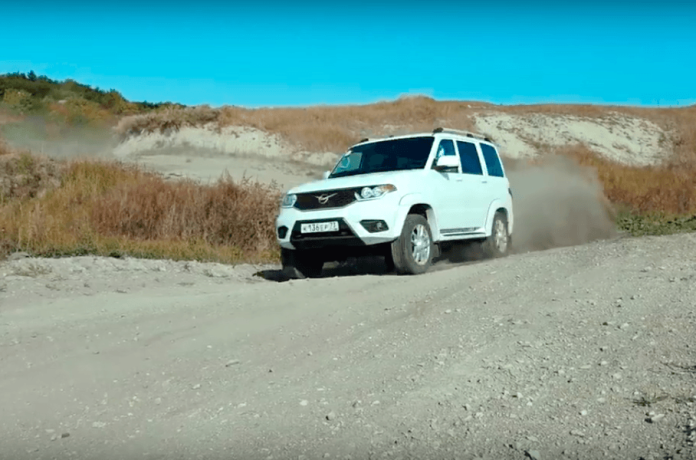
(326, 174)
(446, 162)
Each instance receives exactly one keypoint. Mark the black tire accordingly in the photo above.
(301, 264)
(402, 251)
(389, 262)
(498, 243)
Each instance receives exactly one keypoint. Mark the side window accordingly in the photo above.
(490, 156)
(349, 162)
(446, 148)
(471, 164)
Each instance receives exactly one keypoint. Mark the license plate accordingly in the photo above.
(319, 227)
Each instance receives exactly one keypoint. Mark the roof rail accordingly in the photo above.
(364, 140)
(461, 131)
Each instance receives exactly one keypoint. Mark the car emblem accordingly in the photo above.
(323, 199)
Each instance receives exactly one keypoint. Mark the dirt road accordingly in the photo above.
(544, 355)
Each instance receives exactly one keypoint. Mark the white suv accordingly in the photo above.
(401, 197)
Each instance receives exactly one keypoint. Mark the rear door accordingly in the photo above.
(496, 186)
(473, 205)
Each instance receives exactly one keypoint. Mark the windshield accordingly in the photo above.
(391, 155)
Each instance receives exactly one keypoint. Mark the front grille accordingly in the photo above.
(326, 199)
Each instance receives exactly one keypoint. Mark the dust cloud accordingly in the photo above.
(557, 203)
(41, 137)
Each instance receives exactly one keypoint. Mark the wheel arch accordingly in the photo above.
(495, 207)
(414, 204)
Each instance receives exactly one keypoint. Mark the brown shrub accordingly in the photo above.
(669, 189)
(165, 120)
(24, 176)
(222, 214)
(107, 208)
(684, 122)
(4, 148)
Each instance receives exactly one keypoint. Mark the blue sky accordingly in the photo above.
(271, 53)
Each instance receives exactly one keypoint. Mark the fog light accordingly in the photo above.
(282, 232)
(375, 226)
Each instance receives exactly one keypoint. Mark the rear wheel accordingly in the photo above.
(498, 243)
(301, 264)
(412, 253)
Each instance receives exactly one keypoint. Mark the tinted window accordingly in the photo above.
(469, 158)
(446, 148)
(490, 156)
(390, 155)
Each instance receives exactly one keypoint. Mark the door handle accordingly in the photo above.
(484, 181)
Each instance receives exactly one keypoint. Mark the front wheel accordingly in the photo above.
(301, 264)
(412, 253)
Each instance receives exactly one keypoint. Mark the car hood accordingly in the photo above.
(391, 177)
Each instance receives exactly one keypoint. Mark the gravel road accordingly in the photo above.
(582, 352)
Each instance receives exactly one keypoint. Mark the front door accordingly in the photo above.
(447, 188)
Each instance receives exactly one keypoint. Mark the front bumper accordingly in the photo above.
(351, 231)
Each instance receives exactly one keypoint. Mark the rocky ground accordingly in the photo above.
(575, 353)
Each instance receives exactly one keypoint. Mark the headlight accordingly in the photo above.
(289, 200)
(371, 193)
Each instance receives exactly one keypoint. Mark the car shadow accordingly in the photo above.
(351, 267)
(376, 266)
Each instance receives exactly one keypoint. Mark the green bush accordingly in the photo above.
(655, 223)
(31, 93)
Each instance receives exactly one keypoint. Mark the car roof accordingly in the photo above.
(455, 134)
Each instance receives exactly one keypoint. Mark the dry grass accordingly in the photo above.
(24, 176)
(4, 148)
(317, 129)
(669, 190)
(166, 120)
(110, 209)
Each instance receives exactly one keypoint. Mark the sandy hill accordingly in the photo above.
(628, 135)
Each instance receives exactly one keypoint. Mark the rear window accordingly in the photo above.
(471, 164)
(490, 156)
